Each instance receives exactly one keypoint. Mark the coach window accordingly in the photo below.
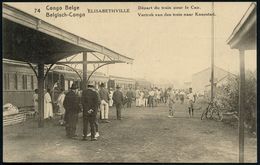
(69, 84)
(32, 83)
(6, 81)
(29, 82)
(15, 81)
(24, 81)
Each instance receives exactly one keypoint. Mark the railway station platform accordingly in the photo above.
(143, 135)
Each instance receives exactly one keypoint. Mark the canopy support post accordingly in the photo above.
(85, 62)
(40, 94)
(241, 104)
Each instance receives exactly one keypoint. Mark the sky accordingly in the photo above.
(165, 49)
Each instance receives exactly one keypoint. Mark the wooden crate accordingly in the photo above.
(14, 119)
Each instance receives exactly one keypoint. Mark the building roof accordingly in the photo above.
(30, 39)
(244, 34)
(221, 79)
(118, 77)
(215, 67)
(56, 68)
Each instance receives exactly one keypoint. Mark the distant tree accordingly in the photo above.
(228, 97)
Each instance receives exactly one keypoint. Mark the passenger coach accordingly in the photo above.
(20, 81)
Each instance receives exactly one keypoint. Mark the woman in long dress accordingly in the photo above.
(48, 110)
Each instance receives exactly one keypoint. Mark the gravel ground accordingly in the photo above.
(143, 135)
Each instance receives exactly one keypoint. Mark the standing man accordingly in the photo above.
(129, 96)
(155, 97)
(182, 96)
(137, 97)
(171, 101)
(142, 98)
(90, 101)
(146, 96)
(110, 97)
(59, 102)
(151, 97)
(72, 106)
(104, 107)
(165, 95)
(191, 100)
(118, 100)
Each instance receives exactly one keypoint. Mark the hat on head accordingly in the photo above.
(102, 85)
(117, 87)
(91, 84)
(74, 86)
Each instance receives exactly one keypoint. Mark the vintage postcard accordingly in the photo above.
(142, 82)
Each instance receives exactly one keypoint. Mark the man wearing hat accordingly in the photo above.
(104, 97)
(72, 106)
(130, 96)
(90, 101)
(191, 100)
(118, 100)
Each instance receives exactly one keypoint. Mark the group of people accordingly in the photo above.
(152, 97)
(90, 101)
(93, 100)
(174, 95)
(144, 97)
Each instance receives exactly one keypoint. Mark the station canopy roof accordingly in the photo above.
(244, 34)
(30, 39)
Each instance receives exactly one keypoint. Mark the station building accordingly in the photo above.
(201, 80)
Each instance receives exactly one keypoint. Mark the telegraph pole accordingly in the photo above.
(212, 53)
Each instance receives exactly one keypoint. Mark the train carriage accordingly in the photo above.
(123, 82)
(20, 82)
(142, 83)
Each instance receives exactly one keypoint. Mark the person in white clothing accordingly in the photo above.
(61, 107)
(35, 101)
(110, 97)
(48, 110)
(104, 106)
(158, 95)
(182, 96)
(142, 104)
(151, 98)
(191, 100)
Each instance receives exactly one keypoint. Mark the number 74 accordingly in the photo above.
(37, 10)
